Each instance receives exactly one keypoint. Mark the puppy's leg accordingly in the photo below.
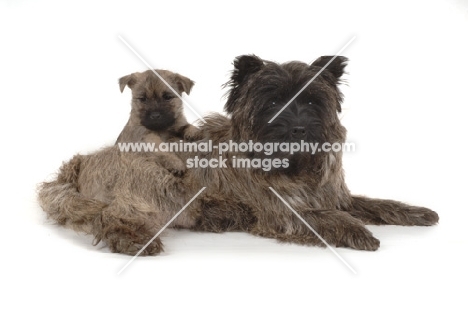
(390, 212)
(192, 133)
(171, 162)
(336, 227)
(168, 160)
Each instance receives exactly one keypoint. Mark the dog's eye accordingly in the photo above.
(142, 99)
(168, 97)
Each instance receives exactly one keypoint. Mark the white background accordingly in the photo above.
(405, 109)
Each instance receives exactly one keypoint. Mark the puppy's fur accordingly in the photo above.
(139, 195)
(157, 113)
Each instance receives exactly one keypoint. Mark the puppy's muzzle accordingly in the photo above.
(154, 116)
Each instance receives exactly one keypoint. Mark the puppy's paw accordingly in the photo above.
(192, 133)
(176, 167)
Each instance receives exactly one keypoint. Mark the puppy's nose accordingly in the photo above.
(298, 132)
(155, 115)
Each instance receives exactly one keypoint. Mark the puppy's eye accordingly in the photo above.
(168, 96)
(142, 99)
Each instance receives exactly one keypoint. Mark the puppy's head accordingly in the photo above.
(271, 102)
(154, 103)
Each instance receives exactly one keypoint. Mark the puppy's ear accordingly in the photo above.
(244, 66)
(183, 83)
(336, 67)
(128, 80)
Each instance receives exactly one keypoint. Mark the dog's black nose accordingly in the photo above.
(155, 115)
(298, 132)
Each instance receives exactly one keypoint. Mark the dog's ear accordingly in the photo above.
(128, 80)
(183, 83)
(336, 67)
(244, 66)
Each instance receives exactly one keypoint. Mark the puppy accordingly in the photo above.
(157, 113)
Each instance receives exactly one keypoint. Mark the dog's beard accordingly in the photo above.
(289, 164)
(282, 131)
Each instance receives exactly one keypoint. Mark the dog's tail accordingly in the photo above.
(63, 202)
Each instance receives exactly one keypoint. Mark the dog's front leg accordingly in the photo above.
(336, 227)
(390, 212)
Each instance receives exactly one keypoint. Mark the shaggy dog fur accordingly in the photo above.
(125, 199)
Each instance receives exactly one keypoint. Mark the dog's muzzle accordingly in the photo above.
(298, 132)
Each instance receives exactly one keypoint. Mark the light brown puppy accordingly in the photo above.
(157, 113)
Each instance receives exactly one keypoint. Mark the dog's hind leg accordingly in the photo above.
(127, 229)
(62, 201)
(146, 197)
(390, 212)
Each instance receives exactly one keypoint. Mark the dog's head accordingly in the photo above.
(153, 101)
(290, 102)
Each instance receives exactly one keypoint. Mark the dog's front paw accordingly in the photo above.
(359, 238)
(192, 133)
(340, 229)
(420, 216)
